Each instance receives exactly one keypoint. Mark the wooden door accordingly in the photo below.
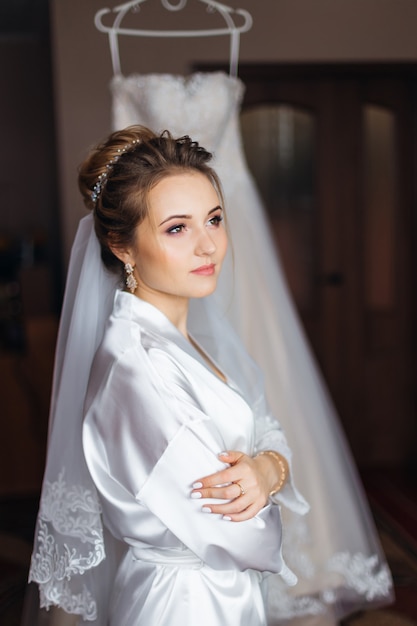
(332, 152)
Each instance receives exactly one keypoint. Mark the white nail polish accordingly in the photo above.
(197, 485)
(227, 518)
(205, 509)
(195, 495)
(223, 454)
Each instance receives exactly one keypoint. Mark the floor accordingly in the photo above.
(393, 498)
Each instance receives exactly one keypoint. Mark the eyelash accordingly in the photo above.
(216, 219)
(174, 230)
(178, 228)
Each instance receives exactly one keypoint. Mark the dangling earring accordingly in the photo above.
(131, 282)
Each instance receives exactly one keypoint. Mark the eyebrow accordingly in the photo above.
(188, 217)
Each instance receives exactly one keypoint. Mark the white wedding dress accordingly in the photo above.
(334, 550)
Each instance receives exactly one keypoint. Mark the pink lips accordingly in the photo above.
(204, 270)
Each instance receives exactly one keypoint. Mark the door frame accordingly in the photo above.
(261, 81)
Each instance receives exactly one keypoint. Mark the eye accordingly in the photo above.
(216, 219)
(178, 228)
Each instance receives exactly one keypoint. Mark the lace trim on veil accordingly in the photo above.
(72, 512)
(346, 577)
(360, 575)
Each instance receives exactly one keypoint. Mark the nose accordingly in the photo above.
(205, 245)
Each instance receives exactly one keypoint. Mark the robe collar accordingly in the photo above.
(149, 317)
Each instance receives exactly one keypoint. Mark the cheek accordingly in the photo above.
(147, 261)
(155, 261)
(223, 243)
(177, 253)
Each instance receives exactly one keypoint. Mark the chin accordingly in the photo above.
(202, 293)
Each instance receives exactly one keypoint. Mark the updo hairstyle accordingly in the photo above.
(127, 165)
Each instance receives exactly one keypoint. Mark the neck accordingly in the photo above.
(179, 319)
(175, 308)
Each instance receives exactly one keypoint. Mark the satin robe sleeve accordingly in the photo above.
(146, 434)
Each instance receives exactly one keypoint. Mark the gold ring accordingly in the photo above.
(242, 491)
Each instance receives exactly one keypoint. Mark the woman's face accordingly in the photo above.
(179, 248)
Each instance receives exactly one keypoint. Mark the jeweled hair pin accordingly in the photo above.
(102, 178)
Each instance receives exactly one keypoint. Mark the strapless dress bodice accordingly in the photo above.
(200, 105)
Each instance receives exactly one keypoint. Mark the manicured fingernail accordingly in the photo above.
(227, 518)
(224, 454)
(197, 485)
(195, 495)
(206, 509)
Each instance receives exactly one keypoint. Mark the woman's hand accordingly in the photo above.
(246, 484)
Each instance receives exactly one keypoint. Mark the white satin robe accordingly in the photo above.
(156, 419)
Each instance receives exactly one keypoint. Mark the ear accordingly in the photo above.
(123, 254)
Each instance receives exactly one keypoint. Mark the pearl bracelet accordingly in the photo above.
(282, 466)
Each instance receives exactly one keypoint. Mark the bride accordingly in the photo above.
(170, 457)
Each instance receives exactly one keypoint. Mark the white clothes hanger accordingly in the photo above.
(225, 11)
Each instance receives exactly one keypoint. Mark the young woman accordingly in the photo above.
(165, 470)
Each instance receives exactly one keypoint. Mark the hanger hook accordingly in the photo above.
(174, 7)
